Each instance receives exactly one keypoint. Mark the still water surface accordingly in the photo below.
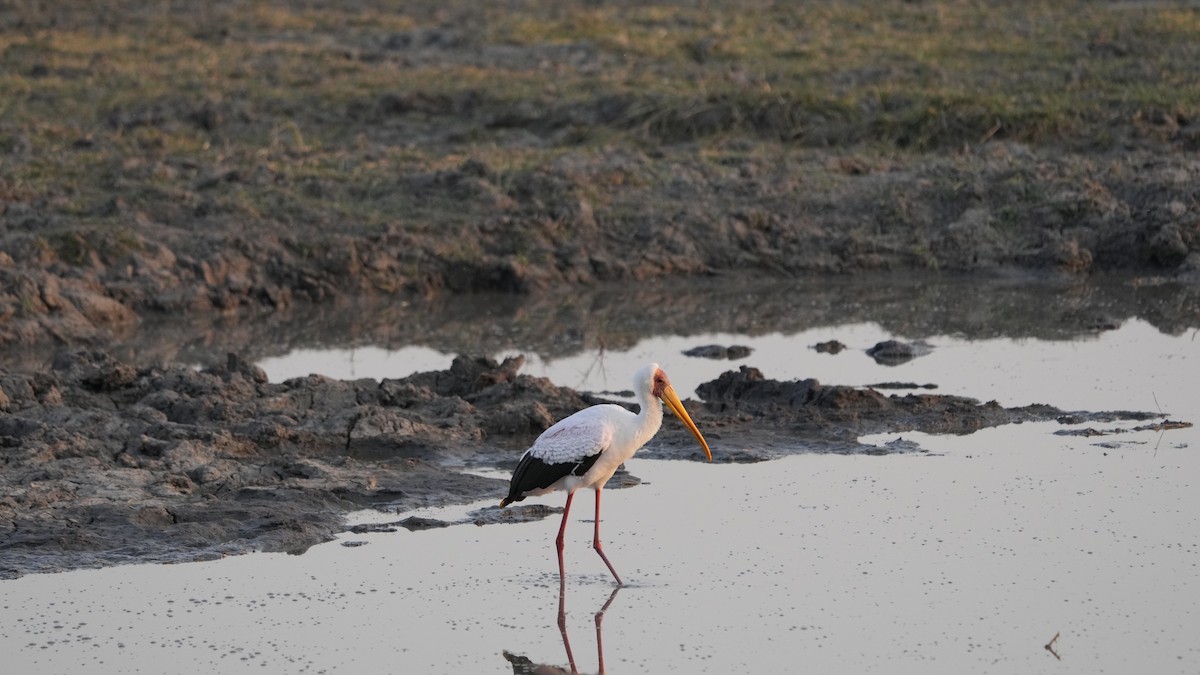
(970, 557)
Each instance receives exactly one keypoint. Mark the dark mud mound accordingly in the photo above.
(106, 463)
(719, 352)
(895, 352)
(758, 417)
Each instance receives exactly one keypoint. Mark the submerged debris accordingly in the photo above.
(718, 352)
(1164, 425)
(896, 446)
(414, 523)
(901, 385)
(520, 513)
(1086, 432)
(1106, 416)
(829, 347)
(894, 352)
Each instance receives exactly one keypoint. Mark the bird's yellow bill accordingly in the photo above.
(672, 400)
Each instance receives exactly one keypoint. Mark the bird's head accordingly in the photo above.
(653, 378)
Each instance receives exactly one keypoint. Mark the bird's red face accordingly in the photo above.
(660, 383)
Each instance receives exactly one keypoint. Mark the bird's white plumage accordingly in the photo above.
(608, 429)
(579, 436)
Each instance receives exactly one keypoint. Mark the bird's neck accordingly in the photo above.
(649, 419)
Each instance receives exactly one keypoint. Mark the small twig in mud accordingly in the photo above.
(1050, 645)
(1162, 426)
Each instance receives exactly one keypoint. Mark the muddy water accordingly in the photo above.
(970, 557)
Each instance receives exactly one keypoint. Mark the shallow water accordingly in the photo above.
(1132, 367)
(969, 557)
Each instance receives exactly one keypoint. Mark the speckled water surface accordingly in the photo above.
(970, 557)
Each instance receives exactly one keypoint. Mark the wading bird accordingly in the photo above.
(585, 449)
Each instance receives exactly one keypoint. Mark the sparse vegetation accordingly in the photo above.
(350, 96)
(821, 124)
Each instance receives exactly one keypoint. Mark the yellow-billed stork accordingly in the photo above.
(585, 449)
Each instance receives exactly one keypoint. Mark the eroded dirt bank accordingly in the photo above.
(1011, 211)
(178, 159)
(107, 463)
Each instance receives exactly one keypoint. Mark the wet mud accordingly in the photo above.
(105, 462)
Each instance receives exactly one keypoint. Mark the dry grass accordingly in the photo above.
(322, 113)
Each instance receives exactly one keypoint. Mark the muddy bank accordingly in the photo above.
(554, 324)
(325, 152)
(107, 463)
(104, 462)
(953, 215)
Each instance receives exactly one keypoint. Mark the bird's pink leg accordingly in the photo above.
(562, 584)
(562, 577)
(596, 543)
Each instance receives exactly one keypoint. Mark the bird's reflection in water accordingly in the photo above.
(523, 666)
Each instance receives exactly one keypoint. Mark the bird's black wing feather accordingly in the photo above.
(534, 474)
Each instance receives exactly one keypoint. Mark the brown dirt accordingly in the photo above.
(1002, 215)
